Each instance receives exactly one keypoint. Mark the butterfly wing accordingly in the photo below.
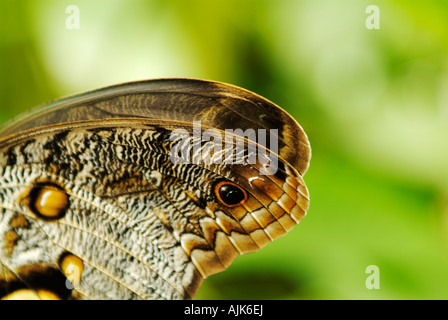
(215, 104)
(93, 205)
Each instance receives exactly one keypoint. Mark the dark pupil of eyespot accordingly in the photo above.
(231, 194)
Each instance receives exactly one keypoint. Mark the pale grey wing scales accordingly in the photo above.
(127, 250)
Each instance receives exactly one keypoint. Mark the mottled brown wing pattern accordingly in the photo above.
(92, 205)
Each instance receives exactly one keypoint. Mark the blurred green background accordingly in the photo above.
(374, 104)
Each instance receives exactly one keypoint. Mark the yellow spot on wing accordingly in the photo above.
(27, 294)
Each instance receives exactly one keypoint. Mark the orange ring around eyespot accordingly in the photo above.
(222, 183)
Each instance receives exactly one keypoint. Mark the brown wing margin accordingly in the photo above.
(215, 104)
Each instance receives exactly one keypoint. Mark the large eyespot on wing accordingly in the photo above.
(252, 209)
(230, 194)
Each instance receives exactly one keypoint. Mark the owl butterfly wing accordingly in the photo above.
(215, 104)
(108, 195)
